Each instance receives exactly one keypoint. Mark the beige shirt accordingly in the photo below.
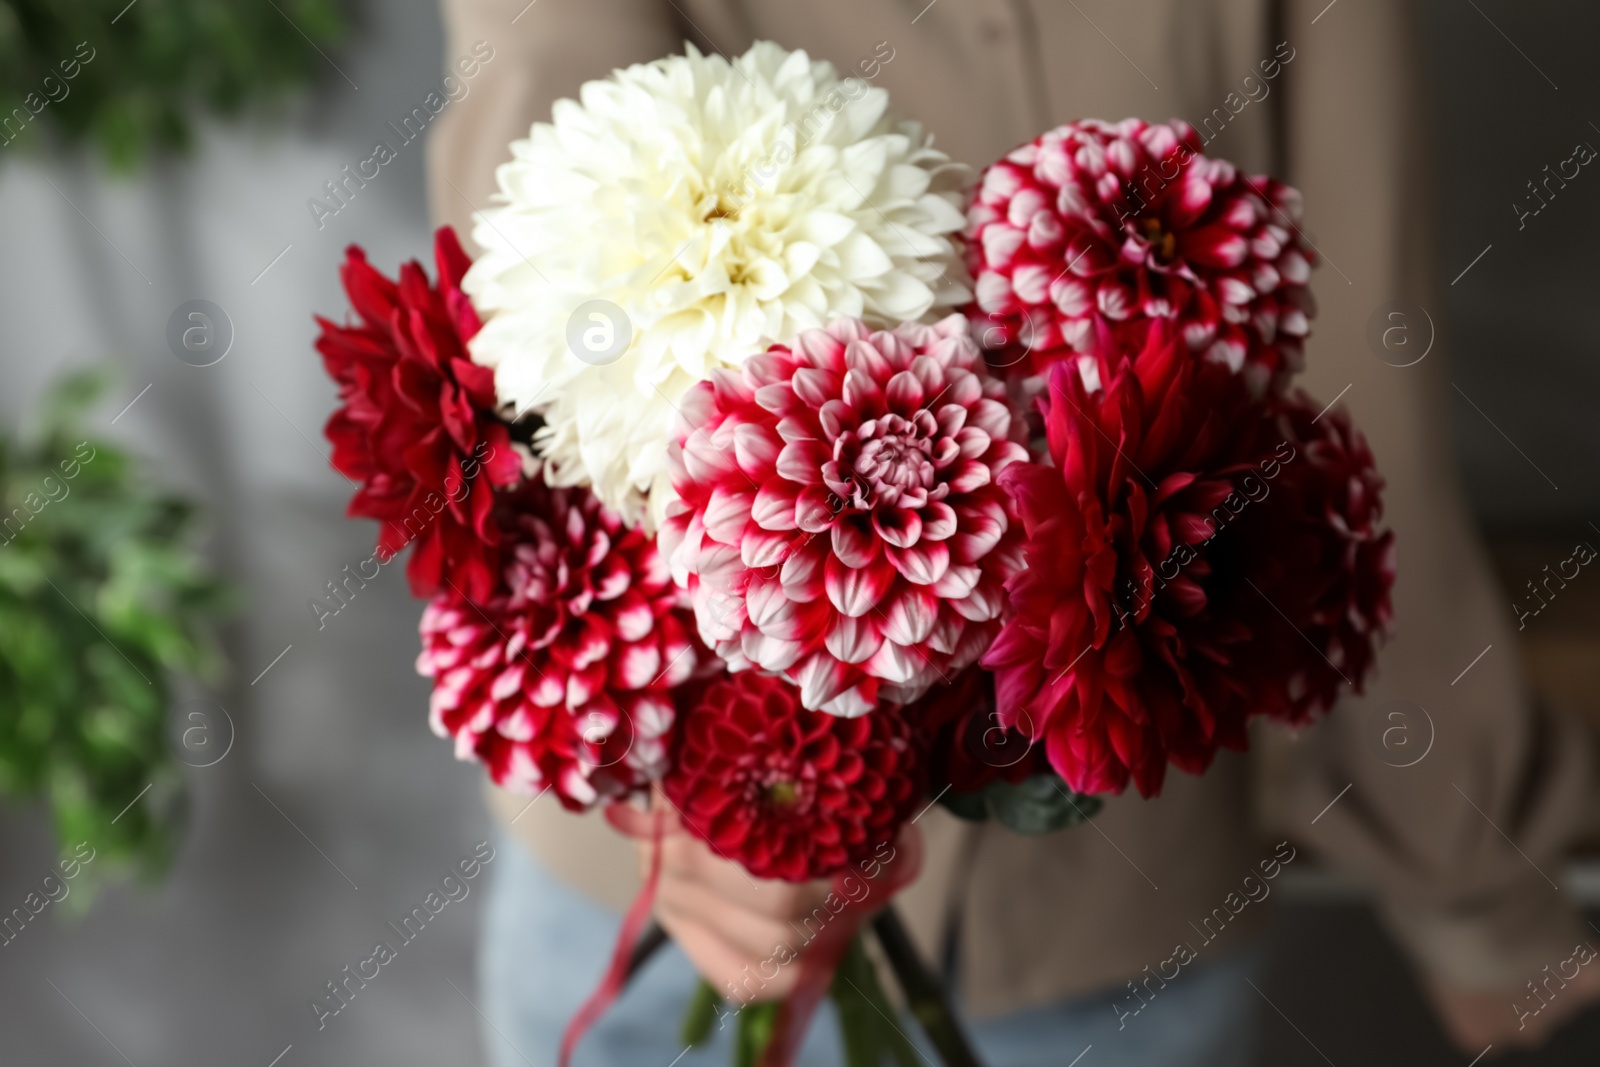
(1463, 846)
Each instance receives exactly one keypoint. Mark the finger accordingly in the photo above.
(759, 934)
(750, 932)
(909, 852)
(629, 821)
(890, 865)
(643, 851)
(736, 975)
(692, 860)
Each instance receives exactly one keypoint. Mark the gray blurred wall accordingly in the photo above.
(220, 963)
(1525, 344)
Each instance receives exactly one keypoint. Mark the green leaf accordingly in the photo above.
(20, 571)
(72, 397)
(973, 807)
(154, 66)
(102, 602)
(1039, 804)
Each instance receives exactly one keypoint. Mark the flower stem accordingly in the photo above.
(701, 1015)
(866, 1018)
(925, 994)
(757, 1023)
(650, 942)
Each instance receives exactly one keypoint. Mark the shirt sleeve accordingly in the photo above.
(539, 52)
(1459, 811)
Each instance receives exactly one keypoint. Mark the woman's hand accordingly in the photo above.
(1475, 1018)
(741, 933)
(745, 934)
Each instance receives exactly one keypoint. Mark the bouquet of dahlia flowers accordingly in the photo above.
(769, 481)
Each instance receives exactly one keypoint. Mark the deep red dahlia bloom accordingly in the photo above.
(1183, 534)
(967, 746)
(787, 792)
(1117, 224)
(416, 426)
(1322, 562)
(838, 518)
(563, 679)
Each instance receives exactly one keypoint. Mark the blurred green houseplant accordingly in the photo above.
(128, 76)
(101, 604)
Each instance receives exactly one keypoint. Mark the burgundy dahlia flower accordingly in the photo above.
(1182, 534)
(967, 746)
(787, 792)
(838, 519)
(1116, 225)
(563, 678)
(1323, 562)
(416, 424)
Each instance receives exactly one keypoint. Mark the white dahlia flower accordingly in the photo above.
(720, 206)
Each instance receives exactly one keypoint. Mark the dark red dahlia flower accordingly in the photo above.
(1322, 562)
(563, 678)
(416, 426)
(967, 747)
(1121, 224)
(790, 793)
(1183, 535)
(838, 518)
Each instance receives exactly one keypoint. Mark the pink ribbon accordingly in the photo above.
(633, 923)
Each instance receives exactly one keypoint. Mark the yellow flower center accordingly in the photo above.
(1164, 245)
(783, 794)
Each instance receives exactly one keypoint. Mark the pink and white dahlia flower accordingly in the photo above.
(564, 678)
(1107, 226)
(838, 519)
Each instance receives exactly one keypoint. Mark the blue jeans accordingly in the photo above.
(543, 947)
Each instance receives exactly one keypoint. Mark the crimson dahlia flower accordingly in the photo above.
(416, 424)
(1194, 556)
(1323, 562)
(787, 792)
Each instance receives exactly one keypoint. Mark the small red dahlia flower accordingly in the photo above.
(967, 745)
(416, 423)
(1181, 536)
(790, 793)
(563, 678)
(838, 519)
(1096, 223)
